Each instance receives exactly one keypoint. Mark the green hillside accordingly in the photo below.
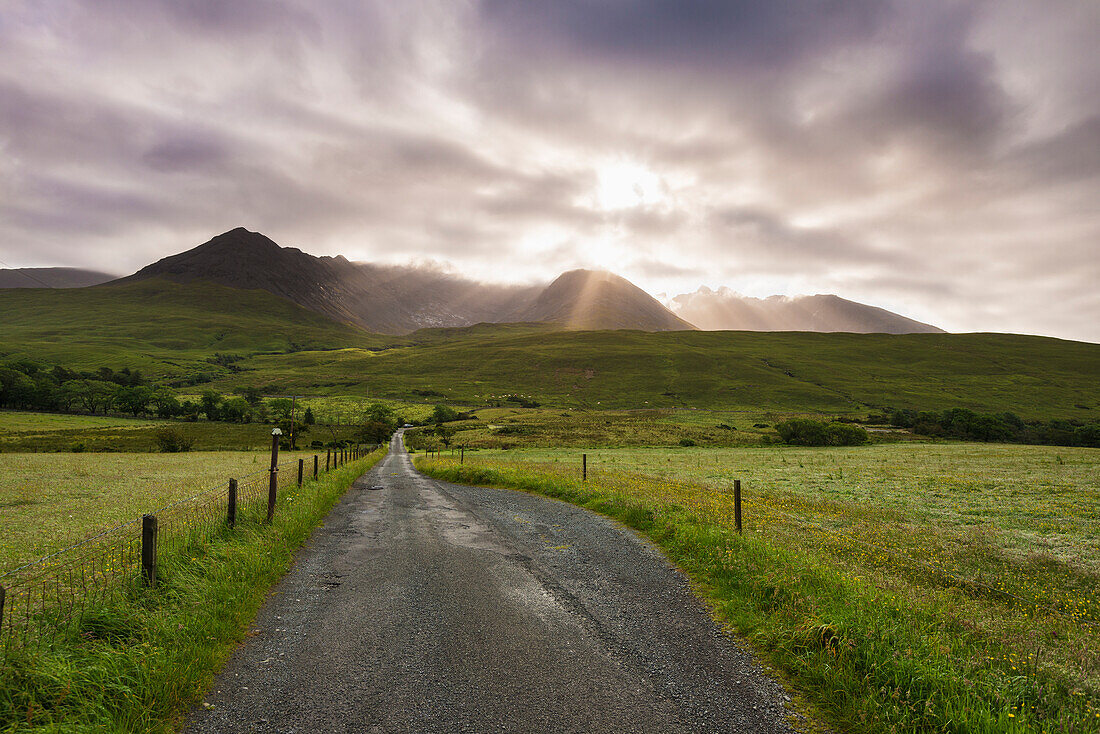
(1033, 376)
(162, 328)
(169, 330)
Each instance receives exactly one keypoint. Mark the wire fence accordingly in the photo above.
(62, 592)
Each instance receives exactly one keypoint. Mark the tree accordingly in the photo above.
(165, 403)
(443, 414)
(16, 388)
(251, 394)
(378, 423)
(308, 418)
(211, 401)
(134, 399)
(445, 433)
(92, 395)
(236, 410)
(281, 407)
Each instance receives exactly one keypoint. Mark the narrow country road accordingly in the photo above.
(432, 607)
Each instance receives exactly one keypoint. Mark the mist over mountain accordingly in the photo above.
(726, 309)
(51, 278)
(390, 299)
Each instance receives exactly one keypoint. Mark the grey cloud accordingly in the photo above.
(755, 235)
(943, 92)
(698, 34)
(189, 152)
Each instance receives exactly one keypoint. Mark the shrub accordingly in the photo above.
(686, 442)
(806, 432)
(173, 440)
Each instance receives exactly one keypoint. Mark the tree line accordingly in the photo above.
(1005, 427)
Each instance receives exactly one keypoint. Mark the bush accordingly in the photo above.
(173, 440)
(806, 432)
(686, 442)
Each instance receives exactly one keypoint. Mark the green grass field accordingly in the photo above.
(48, 501)
(138, 662)
(164, 329)
(925, 587)
(171, 330)
(24, 432)
(20, 421)
(791, 372)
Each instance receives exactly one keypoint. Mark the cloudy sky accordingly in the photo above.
(937, 158)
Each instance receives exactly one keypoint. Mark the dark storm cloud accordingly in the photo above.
(699, 35)
(940, 157)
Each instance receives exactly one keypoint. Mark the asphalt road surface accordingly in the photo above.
(433, 607)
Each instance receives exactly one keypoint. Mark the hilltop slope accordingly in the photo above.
(161, 327)
(790, 371)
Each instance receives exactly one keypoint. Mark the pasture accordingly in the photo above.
(27, 432)
(49, 501)
(917, 586)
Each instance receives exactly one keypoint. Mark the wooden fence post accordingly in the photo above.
(231, 517)
(3, 593)
(149, 549)
(273, 482)
(462, 455)
(737, 504)
(584, 467)
(315, 467)
(328, 458)
(301, 468)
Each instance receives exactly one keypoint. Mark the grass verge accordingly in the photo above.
(138, 664)
(872, 651)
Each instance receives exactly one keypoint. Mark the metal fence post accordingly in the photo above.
(149, 549)
(301, 467)
(231, 517)
(737, 504)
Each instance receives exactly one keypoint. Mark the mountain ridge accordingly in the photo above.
(725, 309)
(398, 300)
(52, 277)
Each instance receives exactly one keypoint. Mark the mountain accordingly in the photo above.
(725, 309)
(595, 299)
(388, 299)
(398, 300)
(51, 278)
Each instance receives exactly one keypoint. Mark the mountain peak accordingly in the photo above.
(598, 299)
